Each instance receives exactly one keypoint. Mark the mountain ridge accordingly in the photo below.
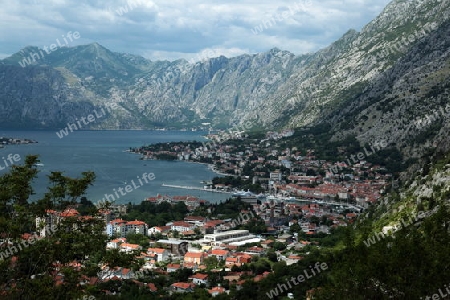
(274, 89)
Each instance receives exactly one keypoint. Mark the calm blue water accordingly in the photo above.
(104, 153)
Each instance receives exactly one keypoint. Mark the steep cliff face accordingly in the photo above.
(344, 69)
(220, 90)
(143, 93)
(272, 89)
(39, 97)
(409, 104)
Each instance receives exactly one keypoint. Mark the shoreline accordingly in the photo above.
(193, 188)
(211, 167)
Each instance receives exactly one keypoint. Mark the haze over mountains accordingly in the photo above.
(371, 83)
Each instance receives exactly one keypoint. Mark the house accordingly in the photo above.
(122, 228)
(120, 273)
(149, 262)
(244, 258)
(267, 243)
(293, 259)
(260, 277)
(194, 257)
(227, 237)
(181, 226)
(210, 226)
(137, 227)
(152, 287)
(217, 290)
(255, 250)
(199, 279)
(193, 266)
(350, 216)
(159, 229)
(231, 261)
(196, 220)
(233, 276)
(114, 244)
(127, 248)
(116, 227)
(292, 222)
(160, 253)
(305, 226)
(188, 233)
(173, 267)
(275, 176)
(286, 238)
(220, 254)
(182, 287)
(53, 218)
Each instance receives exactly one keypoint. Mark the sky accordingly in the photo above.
(190, 29)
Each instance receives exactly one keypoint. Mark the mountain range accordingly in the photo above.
(377, 83)
(387, 85)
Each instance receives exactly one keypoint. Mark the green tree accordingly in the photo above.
(138, 238)
(211, 262)
(72, 248)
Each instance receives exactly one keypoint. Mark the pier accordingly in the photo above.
(193, 188)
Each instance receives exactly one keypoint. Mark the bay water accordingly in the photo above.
(105, 153)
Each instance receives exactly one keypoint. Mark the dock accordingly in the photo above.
(184, 187)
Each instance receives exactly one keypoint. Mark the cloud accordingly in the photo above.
(175, 29)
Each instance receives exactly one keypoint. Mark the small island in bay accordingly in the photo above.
(14, 141)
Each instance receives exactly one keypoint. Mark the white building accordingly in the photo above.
(226, 237)
(128, 248)
(161, 254)
(121, 227)
(115, 244)
(181, 226)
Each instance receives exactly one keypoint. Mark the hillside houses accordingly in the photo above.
(229, 247)
(159, 254)
(129, 248)
(181, 226)
(199, 278)
(159, 230)
(121, 227)
(190, 201)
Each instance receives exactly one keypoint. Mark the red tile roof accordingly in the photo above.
(136, 223)
(69, 213)
(194, 218)
(219, 252)
(217, 289)
(173, 266)
(194, 254)
(188, 232)
(199, 276)
(152, 287)
(132, 246)
(156, 250)
(116, 221)
(183, 285)
(181, 224)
